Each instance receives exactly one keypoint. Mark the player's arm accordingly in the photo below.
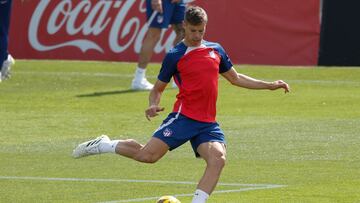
(245, 81)
(154, 100)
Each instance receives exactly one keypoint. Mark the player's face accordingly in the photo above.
(194, 34)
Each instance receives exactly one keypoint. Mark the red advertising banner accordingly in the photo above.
(252, 32)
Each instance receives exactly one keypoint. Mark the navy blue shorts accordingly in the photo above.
(173, 13)
(177, 129)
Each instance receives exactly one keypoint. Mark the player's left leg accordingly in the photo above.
(214, 153)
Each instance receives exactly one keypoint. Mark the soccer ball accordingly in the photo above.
(168, 199)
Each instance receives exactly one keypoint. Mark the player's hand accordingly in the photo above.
(280, 84)
(156, 5)
(152, 111)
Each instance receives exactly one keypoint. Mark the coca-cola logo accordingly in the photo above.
(81, 24)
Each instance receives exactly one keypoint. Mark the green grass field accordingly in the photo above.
(297, 147)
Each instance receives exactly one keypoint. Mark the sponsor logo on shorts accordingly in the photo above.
(167, 132)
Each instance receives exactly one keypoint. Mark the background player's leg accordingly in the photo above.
(151, 38)
(5, 9)
(5, 59)
(179, 31)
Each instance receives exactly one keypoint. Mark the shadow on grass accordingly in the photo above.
(106, 93)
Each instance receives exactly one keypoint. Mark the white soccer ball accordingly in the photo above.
(168, 199)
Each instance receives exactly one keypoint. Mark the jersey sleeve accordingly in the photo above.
(168, 68)
(225, 63)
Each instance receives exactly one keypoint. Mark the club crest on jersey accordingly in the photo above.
(160, 19)
(212, 54)
(167, 132)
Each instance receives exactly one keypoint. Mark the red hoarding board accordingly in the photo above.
(252, 32)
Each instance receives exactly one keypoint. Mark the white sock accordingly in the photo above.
(139, 74)
(108, 147)
(200, 196)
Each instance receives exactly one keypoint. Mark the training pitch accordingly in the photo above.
(297, 147)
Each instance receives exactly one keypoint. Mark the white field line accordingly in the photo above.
(248, 187)
(119, 75)
(189, 195)
(123, 180)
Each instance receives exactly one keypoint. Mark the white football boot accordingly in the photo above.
(143, 84)
(90, 147)
(6, 67)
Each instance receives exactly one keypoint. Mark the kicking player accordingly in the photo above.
(167, 12)
(195, 65)
(6, 60)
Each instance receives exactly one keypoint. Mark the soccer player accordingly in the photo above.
(166, 12)
(195, 65)
(6, 60)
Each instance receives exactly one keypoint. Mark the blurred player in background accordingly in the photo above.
(195, 65)
(165, 12)
(6, 60)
